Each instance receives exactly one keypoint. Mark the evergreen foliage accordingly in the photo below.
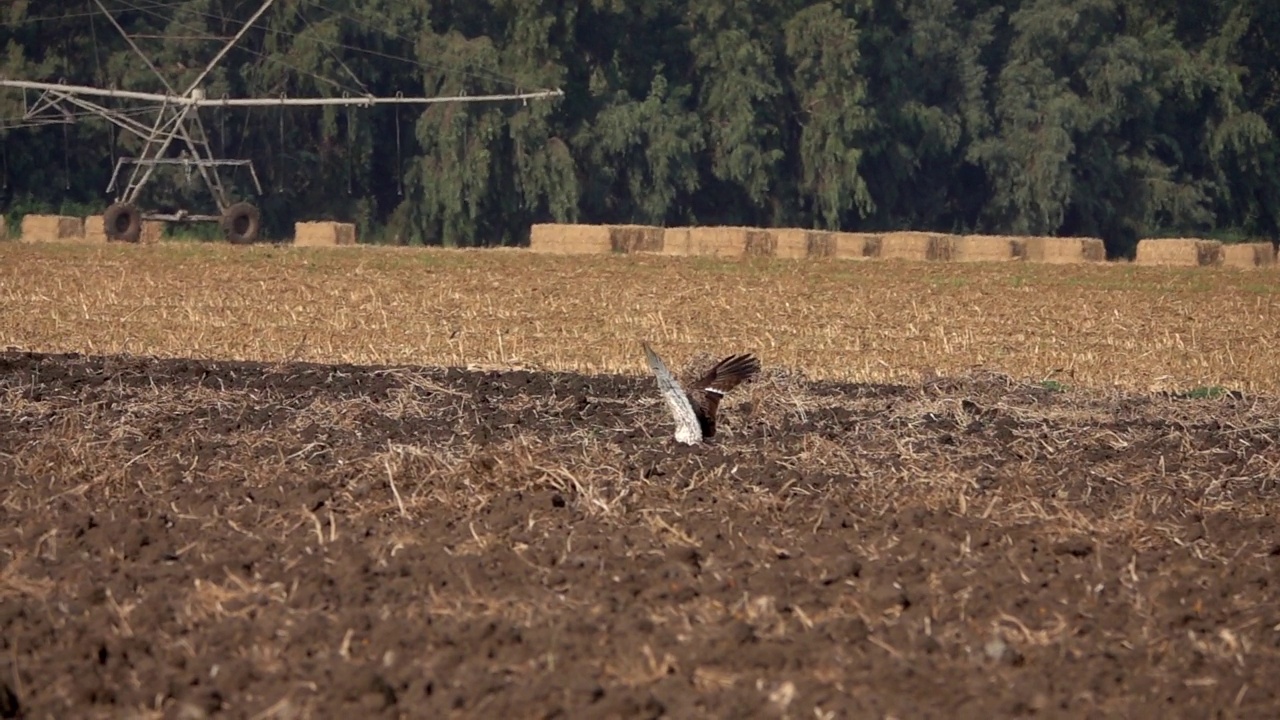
(1112, 118)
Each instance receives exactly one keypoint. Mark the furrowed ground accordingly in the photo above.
(881, 530)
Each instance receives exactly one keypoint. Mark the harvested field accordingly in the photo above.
(269, 538)
(188, 537)
(1097, 325)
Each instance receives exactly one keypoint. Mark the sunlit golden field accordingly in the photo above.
(1114, 325)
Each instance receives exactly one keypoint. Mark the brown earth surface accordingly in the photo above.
(194, 539)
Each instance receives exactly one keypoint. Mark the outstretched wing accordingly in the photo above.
(725, 376)
(729, 373)
(688, 429)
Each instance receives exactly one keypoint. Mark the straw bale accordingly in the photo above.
(153, 231)
(911, 245)
(4, 228)
(796, 243)
(51, 228)
(845, 245)
(1249, 255)
(984, 248)
(320, 234)
(558, 239)
(635, 238)
(721, 242)
(676, 241)
(94, 229)
(760, 243)
(725, 242)
(1056, 250)
(1179, 252)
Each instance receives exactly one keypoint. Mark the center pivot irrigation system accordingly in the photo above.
(177, 121)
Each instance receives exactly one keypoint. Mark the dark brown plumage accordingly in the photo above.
(724, 376)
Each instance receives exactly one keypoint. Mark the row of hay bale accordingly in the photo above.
(63, 228)
(1194, 252)
(737, 242)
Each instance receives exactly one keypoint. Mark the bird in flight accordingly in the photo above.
(695, 411)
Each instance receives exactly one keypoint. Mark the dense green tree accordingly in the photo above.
(822, 47)
(1116, 118)
(1109, 126)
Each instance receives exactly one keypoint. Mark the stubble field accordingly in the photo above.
(260, 490)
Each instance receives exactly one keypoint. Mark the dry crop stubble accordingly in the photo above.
(1111, 325)
(993, 539)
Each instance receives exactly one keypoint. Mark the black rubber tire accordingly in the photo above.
(122, 223)
(242, 223)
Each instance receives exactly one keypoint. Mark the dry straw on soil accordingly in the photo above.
(1088, 324)
(984, 248)
(911, 245)
(51, 228)
(1056, 250)
(323, 234)
(1027, 547)
(1179, 252)
(1249, 255)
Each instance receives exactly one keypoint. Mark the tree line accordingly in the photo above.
(1119, 119)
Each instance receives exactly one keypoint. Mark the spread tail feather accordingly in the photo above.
(688, 429)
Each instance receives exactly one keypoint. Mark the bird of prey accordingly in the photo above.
(695, 411)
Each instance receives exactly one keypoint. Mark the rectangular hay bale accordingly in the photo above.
(153, 231)
(799, 243)
(847, 246)
(913, 245)
(319, 234)
(4, 228)
(558, 239)
(51, 228)
(760, 243)
(985, 248)
(635, 238)
(1179, 252)
(1249, 255)
(705, 241)
(675, 241)
(94, 230)
(1064, 250)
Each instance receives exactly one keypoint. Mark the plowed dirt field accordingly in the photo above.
(195, 539)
